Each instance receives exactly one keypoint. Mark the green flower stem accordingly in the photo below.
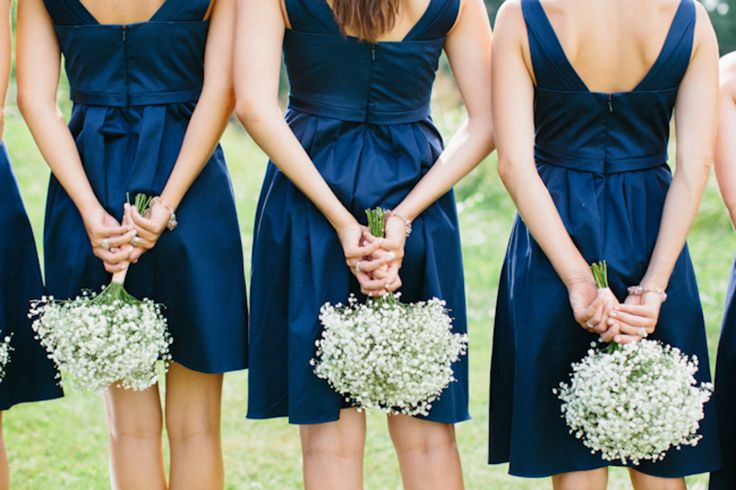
(600, 274)
(377, 227)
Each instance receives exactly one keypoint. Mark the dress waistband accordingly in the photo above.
(597, 165)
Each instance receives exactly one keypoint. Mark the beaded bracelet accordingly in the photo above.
(407, 223)
(172, 223)
(641, 290)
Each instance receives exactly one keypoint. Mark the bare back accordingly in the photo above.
(122, 11)
(611, 44)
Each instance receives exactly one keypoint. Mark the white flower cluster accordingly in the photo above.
(387, 355)
(5, 349)
(96, 344)
(634, 402)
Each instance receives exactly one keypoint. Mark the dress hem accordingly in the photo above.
(707, 469)
(31, 399)
(328, 419)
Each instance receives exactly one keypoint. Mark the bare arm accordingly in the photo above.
(725, 154)
(205, 128)
(513, 114)
(468, 48)
(695, 122)
(259, 37)
(4, 59)
(38, 65)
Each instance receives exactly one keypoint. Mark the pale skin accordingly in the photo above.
(611, 44)
(725, 154)
(5, 55)
(333, 452)
(192, 405)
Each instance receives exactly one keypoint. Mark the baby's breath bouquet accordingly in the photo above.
(105, 338)
(385, 354)
(634, 402)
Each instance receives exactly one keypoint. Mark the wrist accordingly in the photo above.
(90, 206)
(578, 276)
(169, 202)
(342, 220)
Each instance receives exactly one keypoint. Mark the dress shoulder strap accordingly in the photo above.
(437, 21)
(311, 16)
(551, 66)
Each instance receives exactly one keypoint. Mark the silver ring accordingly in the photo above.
(357, 267)
(390, 256)
(105, 244)
(136, 241)
(589, 324)
(642, 332)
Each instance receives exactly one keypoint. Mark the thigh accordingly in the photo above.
(138, 412)
(408, 432)
(193, 399)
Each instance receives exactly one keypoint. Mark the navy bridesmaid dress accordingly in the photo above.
(603, 158)
(134, 89)
(725, 395)
(361, 111)
(30, 375)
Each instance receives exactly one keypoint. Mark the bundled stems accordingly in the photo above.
(142, 203)
(600, 274)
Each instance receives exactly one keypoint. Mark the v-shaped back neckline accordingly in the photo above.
(661, 57)
(330, 16)
(91, 16)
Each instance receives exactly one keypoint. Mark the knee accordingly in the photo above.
(181, 429)
(423, 438)
(318, 443)
(134, 426)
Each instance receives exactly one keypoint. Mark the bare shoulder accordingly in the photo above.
(510, 19)
(728, 73)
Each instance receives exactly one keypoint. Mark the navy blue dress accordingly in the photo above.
(134, 89)
(725, 395)
(361, 111)
(603, 158)
(30, 375)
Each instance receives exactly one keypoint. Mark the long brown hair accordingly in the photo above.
(367, 19)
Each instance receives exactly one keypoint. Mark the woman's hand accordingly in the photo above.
(591, 306)
(636, 318)
(360, 249)
(108, 239)
(149, 227)
(392, 250)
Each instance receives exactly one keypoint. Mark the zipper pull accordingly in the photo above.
(125, 31)
(610, 102)
(373, 52)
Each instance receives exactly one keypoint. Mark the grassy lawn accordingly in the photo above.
(62, 444)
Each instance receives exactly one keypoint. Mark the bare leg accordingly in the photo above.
(4, 470)
(646, 482)
(193, 424)
(333, 453)
(581, 480)
(135, 423)
(428, 454)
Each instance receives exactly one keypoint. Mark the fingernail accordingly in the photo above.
(610, 321)
(614, 314)
(617, 339)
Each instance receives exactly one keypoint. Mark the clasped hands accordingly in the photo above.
(374, 261)
(599, 311)
(120, 244)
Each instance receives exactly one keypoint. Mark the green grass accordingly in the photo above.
(62, 444)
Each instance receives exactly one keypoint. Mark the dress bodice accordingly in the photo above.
(160, 61)
(338, 76)
(604, 132)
